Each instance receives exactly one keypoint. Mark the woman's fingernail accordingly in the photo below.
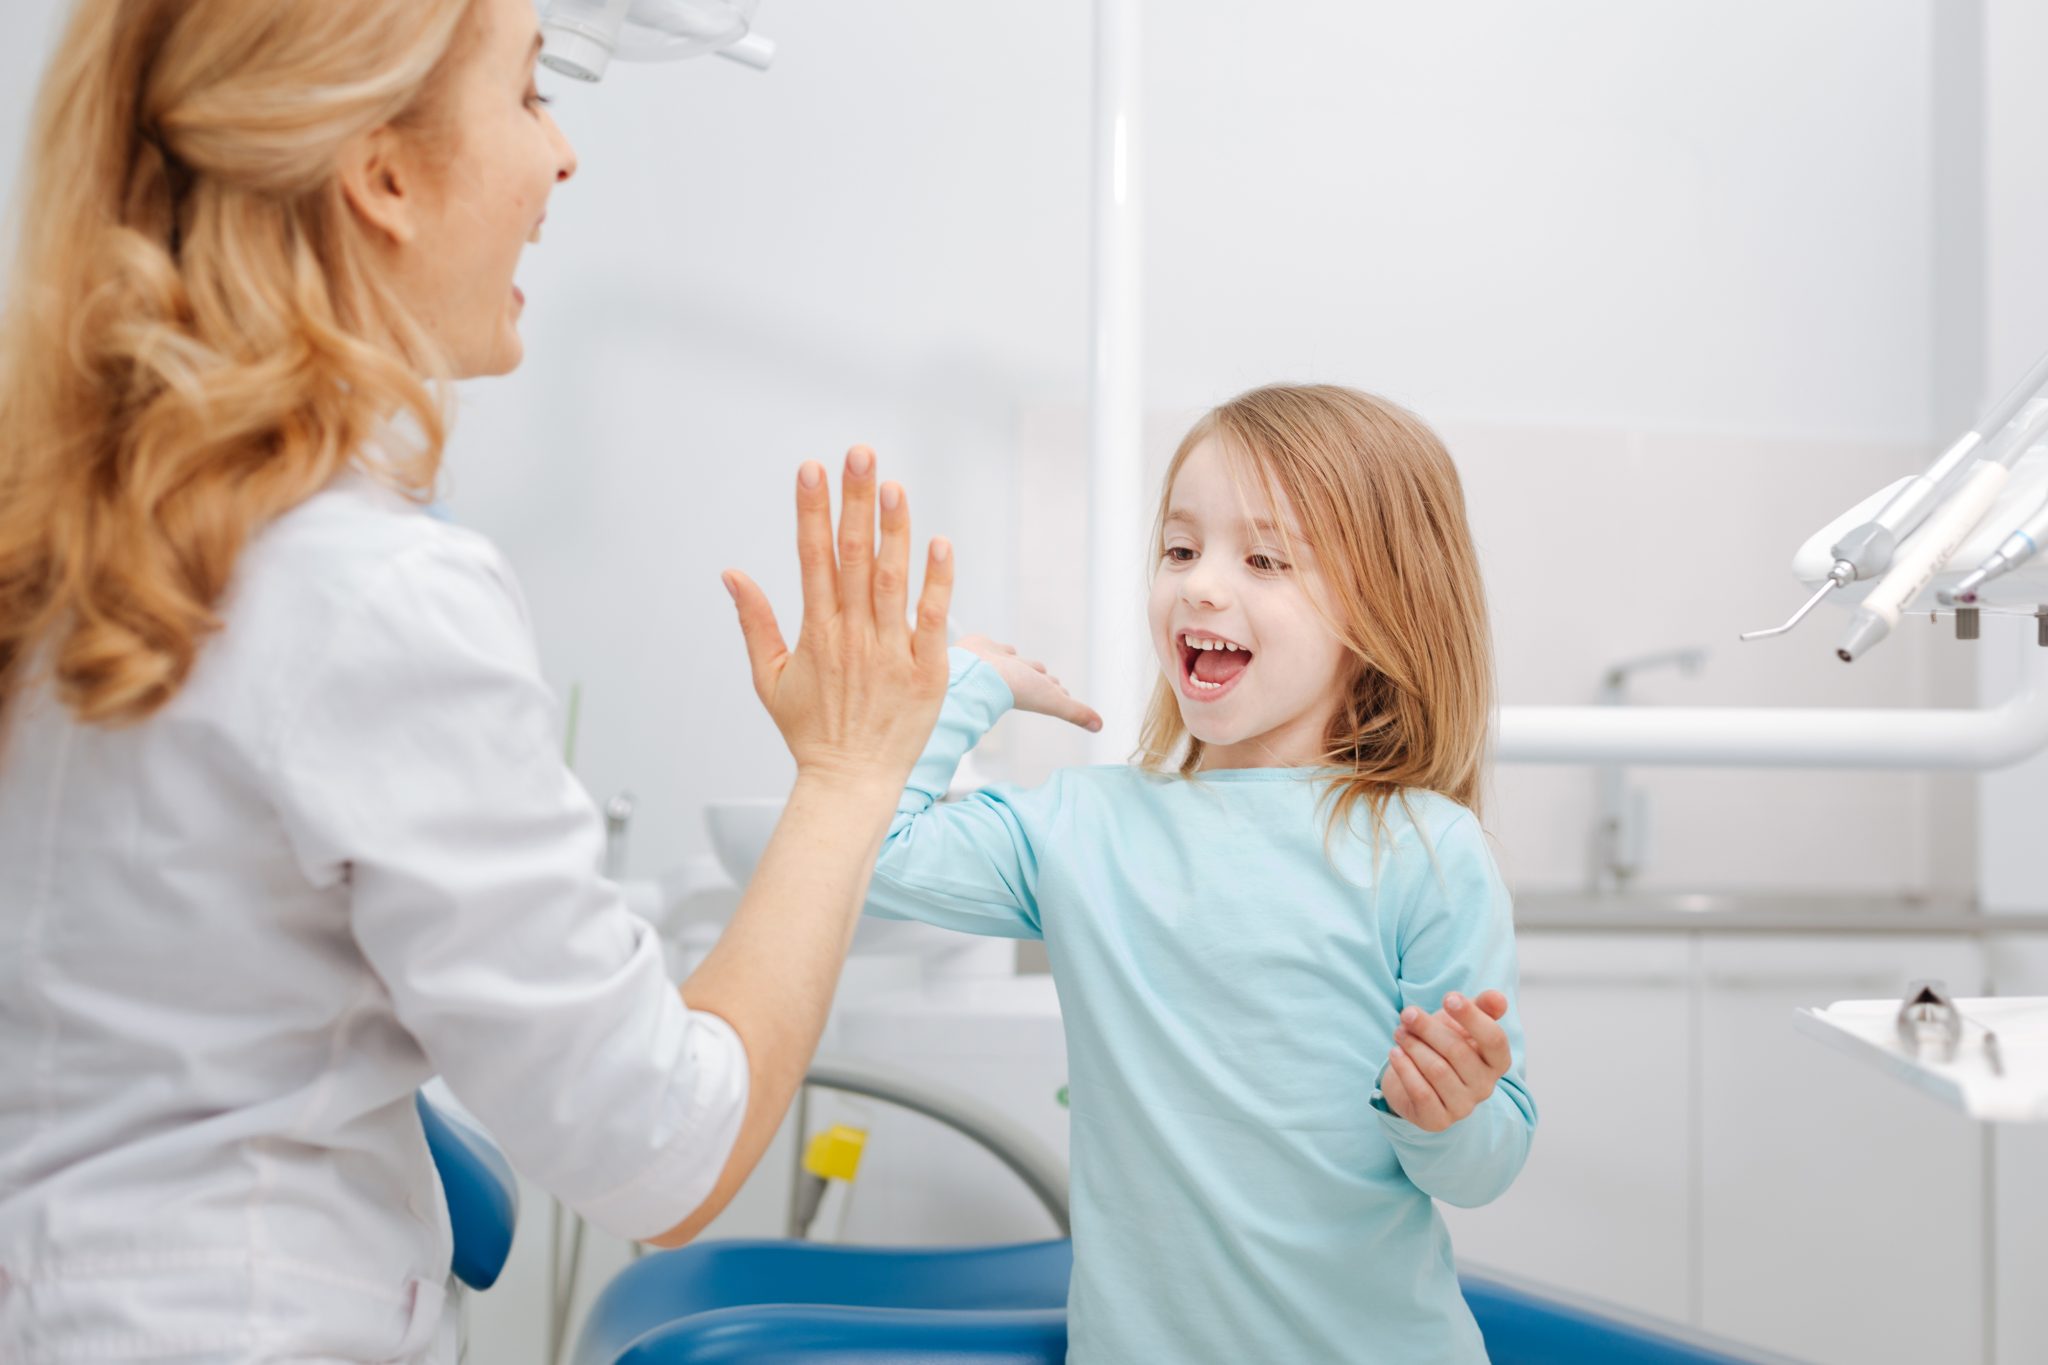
(861, 461)
(732, 589)
(892, 497)
(1411, 1014)
(1454, 1001)
(942, 550)
(810, 476)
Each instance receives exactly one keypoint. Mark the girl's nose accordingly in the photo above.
(1201, 588)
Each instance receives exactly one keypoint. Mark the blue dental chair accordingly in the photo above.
(803, 1303)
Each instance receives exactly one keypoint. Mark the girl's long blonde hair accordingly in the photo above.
(197, 335)
(1383, 512)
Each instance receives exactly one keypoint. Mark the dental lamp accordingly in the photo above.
(581, 37)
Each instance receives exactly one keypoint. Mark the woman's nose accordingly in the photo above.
(566, 163)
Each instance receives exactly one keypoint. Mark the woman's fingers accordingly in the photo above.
(933, 604)
(892, 567)
(1425, 1110)
(766, 651)
(857, 536)
(814, 543)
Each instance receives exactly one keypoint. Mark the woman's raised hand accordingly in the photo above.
(1034, 688)
(857, 698)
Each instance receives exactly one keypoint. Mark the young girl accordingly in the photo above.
(1274, 939)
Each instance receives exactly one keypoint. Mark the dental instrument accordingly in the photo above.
(1929, 1021)
(581, 37)
(1867, 550)
(2016, 549)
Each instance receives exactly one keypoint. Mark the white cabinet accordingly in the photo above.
(1698, 1160)
(1843, 1217)
(1602, 1208)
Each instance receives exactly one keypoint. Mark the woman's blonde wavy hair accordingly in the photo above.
(197, 336)
(1380, 505)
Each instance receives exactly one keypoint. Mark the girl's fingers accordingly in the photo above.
(1395, 1093)
(814, 543)
(1425, 1109)
(1448, 1041)
(1441, 1075)
(1080, 713)
(857, 536)
(1033, 663)
(892, 567)
(932, 606)
(1488, 1038)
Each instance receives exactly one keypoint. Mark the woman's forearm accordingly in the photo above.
(772, 974)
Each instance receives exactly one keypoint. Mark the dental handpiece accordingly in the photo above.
(2016, 549)
(1922, 557)
(1867, 550)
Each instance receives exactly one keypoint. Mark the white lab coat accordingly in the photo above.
(236, 938)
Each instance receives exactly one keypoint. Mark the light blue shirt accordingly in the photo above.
(1230, 990)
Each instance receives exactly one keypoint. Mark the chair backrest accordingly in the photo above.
(482, 1193)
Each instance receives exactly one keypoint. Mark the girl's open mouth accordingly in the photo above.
(1210, 665)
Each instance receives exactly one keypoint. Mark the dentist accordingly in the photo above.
(284, 828)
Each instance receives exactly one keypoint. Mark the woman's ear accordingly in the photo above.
(381, 185)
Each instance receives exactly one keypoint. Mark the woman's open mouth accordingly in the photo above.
(1210, 665)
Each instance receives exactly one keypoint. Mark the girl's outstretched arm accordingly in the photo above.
(970, 865)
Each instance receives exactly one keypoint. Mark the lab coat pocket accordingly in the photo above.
(423, 1326)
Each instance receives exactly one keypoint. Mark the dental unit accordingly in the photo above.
(1926, 520)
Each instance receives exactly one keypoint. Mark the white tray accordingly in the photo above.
(1869, 1029)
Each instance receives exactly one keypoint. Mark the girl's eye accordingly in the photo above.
(1266, 564)
(1180, 554)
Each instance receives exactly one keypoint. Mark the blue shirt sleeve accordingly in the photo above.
(968, 865)
(1457, 934)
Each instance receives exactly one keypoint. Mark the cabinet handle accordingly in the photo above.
(1529, 978)
(1882, 985)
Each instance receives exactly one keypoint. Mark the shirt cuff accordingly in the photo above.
(710, 1092)
(976, 679)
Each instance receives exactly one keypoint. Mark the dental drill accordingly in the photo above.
(1943, 532)
(1867, 550)
(2016, 549)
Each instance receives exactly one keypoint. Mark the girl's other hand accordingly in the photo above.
(857, 698)
(1034, 688)
(1445, 1065)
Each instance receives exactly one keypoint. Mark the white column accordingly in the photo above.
(1118, 653)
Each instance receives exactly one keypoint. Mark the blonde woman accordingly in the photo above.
(283, 826)
(1283, 951)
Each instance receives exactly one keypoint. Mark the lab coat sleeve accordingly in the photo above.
(969, 864)
(1457, 934)
(421, 763)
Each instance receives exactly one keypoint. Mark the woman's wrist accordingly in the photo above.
(861, 784)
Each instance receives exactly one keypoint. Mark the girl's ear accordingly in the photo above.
(381, 186)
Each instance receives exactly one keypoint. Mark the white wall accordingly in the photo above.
(1666, 276)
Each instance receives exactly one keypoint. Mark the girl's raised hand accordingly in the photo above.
(1445, 1065)
(857, 697)
(1034, 688)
